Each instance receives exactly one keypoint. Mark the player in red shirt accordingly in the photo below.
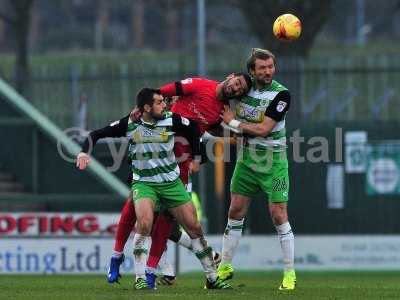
(201, 100)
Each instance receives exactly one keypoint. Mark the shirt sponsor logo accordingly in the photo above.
(145, 135)
(200, 117)
(147, 132)
(253, 114)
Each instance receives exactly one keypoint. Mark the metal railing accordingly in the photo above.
(323, 89)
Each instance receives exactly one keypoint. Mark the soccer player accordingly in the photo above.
(262, 163)
(156, 179)
(202, 100)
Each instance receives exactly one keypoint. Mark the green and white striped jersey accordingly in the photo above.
(151, 151)
(272, 101)
(151, 146)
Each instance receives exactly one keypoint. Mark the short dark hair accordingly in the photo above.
(145, 96)
(247, 78)
(258, 53)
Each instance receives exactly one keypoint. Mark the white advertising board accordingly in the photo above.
(54, 255)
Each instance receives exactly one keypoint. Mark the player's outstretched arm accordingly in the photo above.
(256, 129)
(115, 129)
(274, 113)
(179, 88)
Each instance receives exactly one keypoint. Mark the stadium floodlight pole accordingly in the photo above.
(201, 38)
(360, 22)
(201, 68)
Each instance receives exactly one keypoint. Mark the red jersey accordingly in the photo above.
(197, 100)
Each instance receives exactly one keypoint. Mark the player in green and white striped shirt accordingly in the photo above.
(155, 178)
(262, 163)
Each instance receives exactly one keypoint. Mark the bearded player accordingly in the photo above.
(201, 100)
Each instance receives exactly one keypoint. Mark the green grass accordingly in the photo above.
(247, 285)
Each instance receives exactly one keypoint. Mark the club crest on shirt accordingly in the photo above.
(281, 106)
(135, 192)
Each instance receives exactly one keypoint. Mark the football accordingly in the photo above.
(287, 27)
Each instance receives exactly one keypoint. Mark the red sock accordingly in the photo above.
(159, 236)
(125, 225)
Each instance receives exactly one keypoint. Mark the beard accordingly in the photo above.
(226, 95)
(264, 81)
(158, 117)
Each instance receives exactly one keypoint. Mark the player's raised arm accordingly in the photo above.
(274, 113)
(115, 129)
(179, 88)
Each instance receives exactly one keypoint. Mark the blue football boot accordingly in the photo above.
(113, 271)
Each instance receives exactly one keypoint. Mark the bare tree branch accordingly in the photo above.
(260, 15)
(22, 11)
(21, 5)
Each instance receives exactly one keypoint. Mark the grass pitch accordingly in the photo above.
(247, 285)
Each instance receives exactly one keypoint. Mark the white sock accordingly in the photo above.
(204, 254)
(140, 252)
(117, 254)
(286, 238)
(165, 266)
(230, 239)
(185, 240)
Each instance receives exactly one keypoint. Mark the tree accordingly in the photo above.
(172, 30)
(102, 20)
(19, 19)
(138, 30)
(261, 14)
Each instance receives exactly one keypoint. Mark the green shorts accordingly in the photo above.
(164, 195)
(261, 170)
